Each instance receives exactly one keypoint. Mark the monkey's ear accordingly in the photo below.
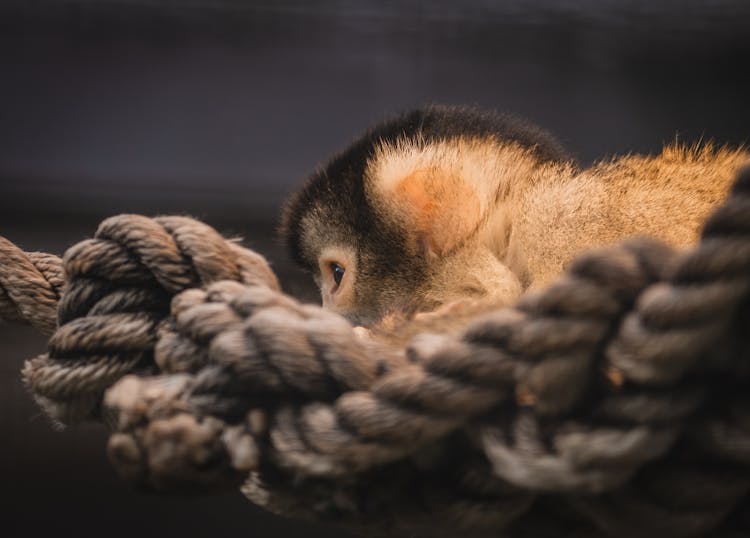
(440, 207)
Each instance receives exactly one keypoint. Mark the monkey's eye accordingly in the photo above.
(338, 272)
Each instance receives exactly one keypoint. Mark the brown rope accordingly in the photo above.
(119, 285)
(580, 390)
(30, 287)
(615, 401)
(260, 344)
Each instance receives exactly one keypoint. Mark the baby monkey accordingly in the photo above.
(445, 204)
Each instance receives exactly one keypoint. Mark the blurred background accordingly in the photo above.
(217, 109)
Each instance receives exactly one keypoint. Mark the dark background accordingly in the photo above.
(217, 109)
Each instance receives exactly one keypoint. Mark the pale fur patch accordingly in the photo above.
(667, 196)
(534, 218)
(485, 165)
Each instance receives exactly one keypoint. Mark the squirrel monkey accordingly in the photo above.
(444, 204)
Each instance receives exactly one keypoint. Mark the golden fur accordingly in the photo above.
(500, 222)
(448, 204)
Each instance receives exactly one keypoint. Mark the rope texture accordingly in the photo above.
(118, 288)
(613, 403)
(31, 284)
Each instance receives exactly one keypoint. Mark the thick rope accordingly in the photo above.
(119, 285)
(617, 395)
(632, 332)
(257, 348)
(31, 284)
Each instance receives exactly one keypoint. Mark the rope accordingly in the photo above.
(30, 287)
(119, 285)
(614, 402)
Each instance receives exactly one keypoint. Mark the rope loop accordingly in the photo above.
(118, 291)
(614, 401)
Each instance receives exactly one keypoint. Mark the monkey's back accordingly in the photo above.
(667, 196)
(670, 195)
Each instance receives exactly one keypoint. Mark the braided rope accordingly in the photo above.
(119, 285)
(580, 389)
(567, 403)
(257, 343)
(30, 287)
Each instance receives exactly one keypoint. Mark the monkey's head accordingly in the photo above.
(393, 222)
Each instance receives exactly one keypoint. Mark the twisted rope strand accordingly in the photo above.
(30, 287)
(119, 285)
(576, 395)
(517, 381)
